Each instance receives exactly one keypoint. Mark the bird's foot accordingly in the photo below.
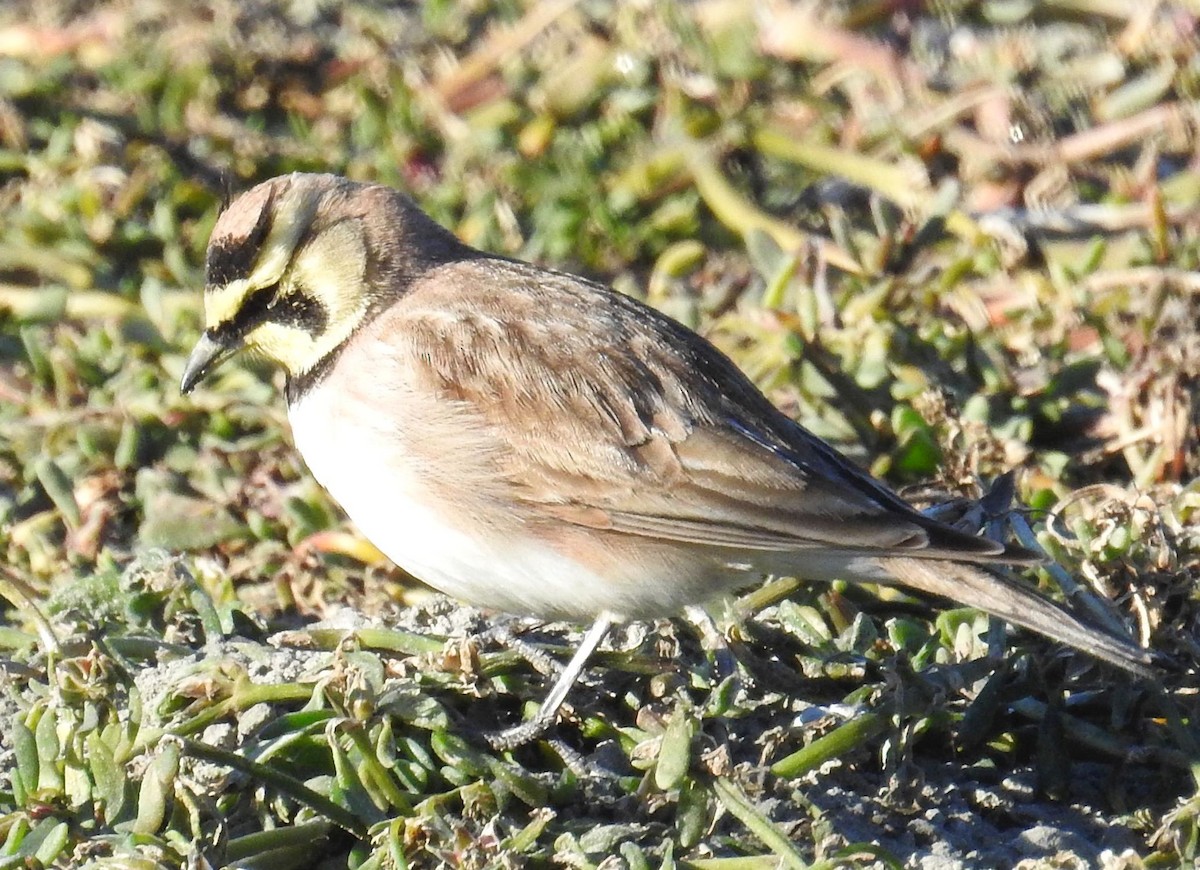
(519, 735)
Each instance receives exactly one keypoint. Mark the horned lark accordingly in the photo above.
(533, 442)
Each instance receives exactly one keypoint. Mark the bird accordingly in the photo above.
(533, 442)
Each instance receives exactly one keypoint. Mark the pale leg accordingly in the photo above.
(546, 714)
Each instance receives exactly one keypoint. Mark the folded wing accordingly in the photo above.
(611, 416)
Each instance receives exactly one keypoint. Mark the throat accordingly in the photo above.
(299, 385)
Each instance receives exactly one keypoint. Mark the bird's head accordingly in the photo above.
(298, 263)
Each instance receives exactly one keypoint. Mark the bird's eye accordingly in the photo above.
(300, 309)
(297, 309)
(254, 312)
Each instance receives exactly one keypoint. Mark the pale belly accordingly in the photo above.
(480, 553)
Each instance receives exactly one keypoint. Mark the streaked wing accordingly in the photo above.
(614, 417)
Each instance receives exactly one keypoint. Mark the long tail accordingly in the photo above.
(1018, 604)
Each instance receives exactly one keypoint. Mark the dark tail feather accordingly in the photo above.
(1019, 605)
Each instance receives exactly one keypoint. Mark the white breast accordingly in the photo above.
(388, 475)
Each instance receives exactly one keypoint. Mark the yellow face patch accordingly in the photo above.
(221, 304)
(294, 349)
(330, 269)
(291, 214)
(328, 273)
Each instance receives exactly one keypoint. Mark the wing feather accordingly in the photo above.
(611, 416)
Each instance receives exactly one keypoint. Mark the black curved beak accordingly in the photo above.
(205, 356)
